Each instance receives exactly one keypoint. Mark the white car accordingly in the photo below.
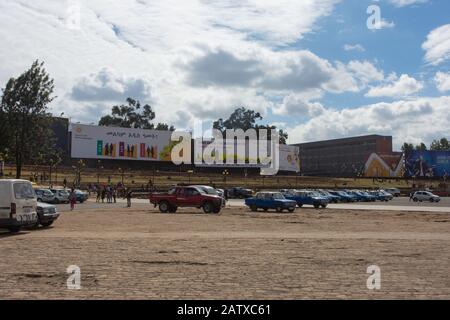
(17, 204)
(425, 196)
(61, 195)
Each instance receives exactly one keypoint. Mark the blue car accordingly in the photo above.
(306, 197)
(362, 196)
(344, 196)
(331, 197)
(270, 200)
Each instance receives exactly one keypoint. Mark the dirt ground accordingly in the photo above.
(139, 253)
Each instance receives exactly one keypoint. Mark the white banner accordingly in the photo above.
(289, 158)
(95, 142)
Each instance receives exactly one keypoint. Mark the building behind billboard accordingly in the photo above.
(427, 164)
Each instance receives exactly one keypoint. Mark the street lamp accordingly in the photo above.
(225, 173)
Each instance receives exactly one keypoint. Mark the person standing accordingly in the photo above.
(129, 196)
(99, 195)
(114, 194)
(103, 194)
(72, 199)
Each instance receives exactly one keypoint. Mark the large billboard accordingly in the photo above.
(95, 142)
(288, 156)
(427, 164)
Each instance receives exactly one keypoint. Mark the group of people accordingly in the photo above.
(108, 192)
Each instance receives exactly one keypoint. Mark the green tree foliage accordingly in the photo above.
(440, 145)
(421, 147)
(24, 110)
(133, 115)
(407, 147)
(243, 118)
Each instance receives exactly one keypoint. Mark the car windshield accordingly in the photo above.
(209, 190)
(23, 190)
(314, 194)
(277, 196)
(63, 192)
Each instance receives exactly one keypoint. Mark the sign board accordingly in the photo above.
(432, 164)
(96, 142)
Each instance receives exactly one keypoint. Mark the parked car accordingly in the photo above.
(186, 197)
(361, 195)
(47, 214)
(382, 195)
(344, 196)
(211, 190)
(306, 197)
(420, 196)
(394, 191)
(61, 195)
(45, 195)
(331, 197)
(240, 193)
(81, 195)
(270, 200)
(17, 204)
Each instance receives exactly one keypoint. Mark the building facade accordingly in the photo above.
(344, 157)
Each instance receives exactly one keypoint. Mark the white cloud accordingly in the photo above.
(385, 24)
(354, 47)
(437, 45)
(404, 3)
(401, 87)
(295, 105)
(442, 81)
(143, 43)
(405, 120)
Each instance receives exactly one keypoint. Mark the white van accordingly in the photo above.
(17, 204)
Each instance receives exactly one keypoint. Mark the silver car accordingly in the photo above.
(45, 195)
(420, 196)
(61, 195)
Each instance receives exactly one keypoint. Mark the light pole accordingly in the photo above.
(225, 173)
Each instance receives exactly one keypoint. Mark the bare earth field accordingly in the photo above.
(139, 253)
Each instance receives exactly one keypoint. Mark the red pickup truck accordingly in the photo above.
(186, 197)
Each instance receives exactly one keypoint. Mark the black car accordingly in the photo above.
(47, 214)
(240, 193)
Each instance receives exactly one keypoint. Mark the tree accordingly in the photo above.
(243, 118)
(407, 147)
(421, 147)
(133, 115)
(440, 145)
(24, 108)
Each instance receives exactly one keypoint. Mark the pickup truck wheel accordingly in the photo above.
(265, 209)
(207, 207)
(300, 205)
(163, 206)
(217, 209)
(279, 209)
(47, 224)
(292, 209)
(14, 229)
(253, 208)
(324, 206)
(316, 205)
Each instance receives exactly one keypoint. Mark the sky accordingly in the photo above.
(320, 69)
